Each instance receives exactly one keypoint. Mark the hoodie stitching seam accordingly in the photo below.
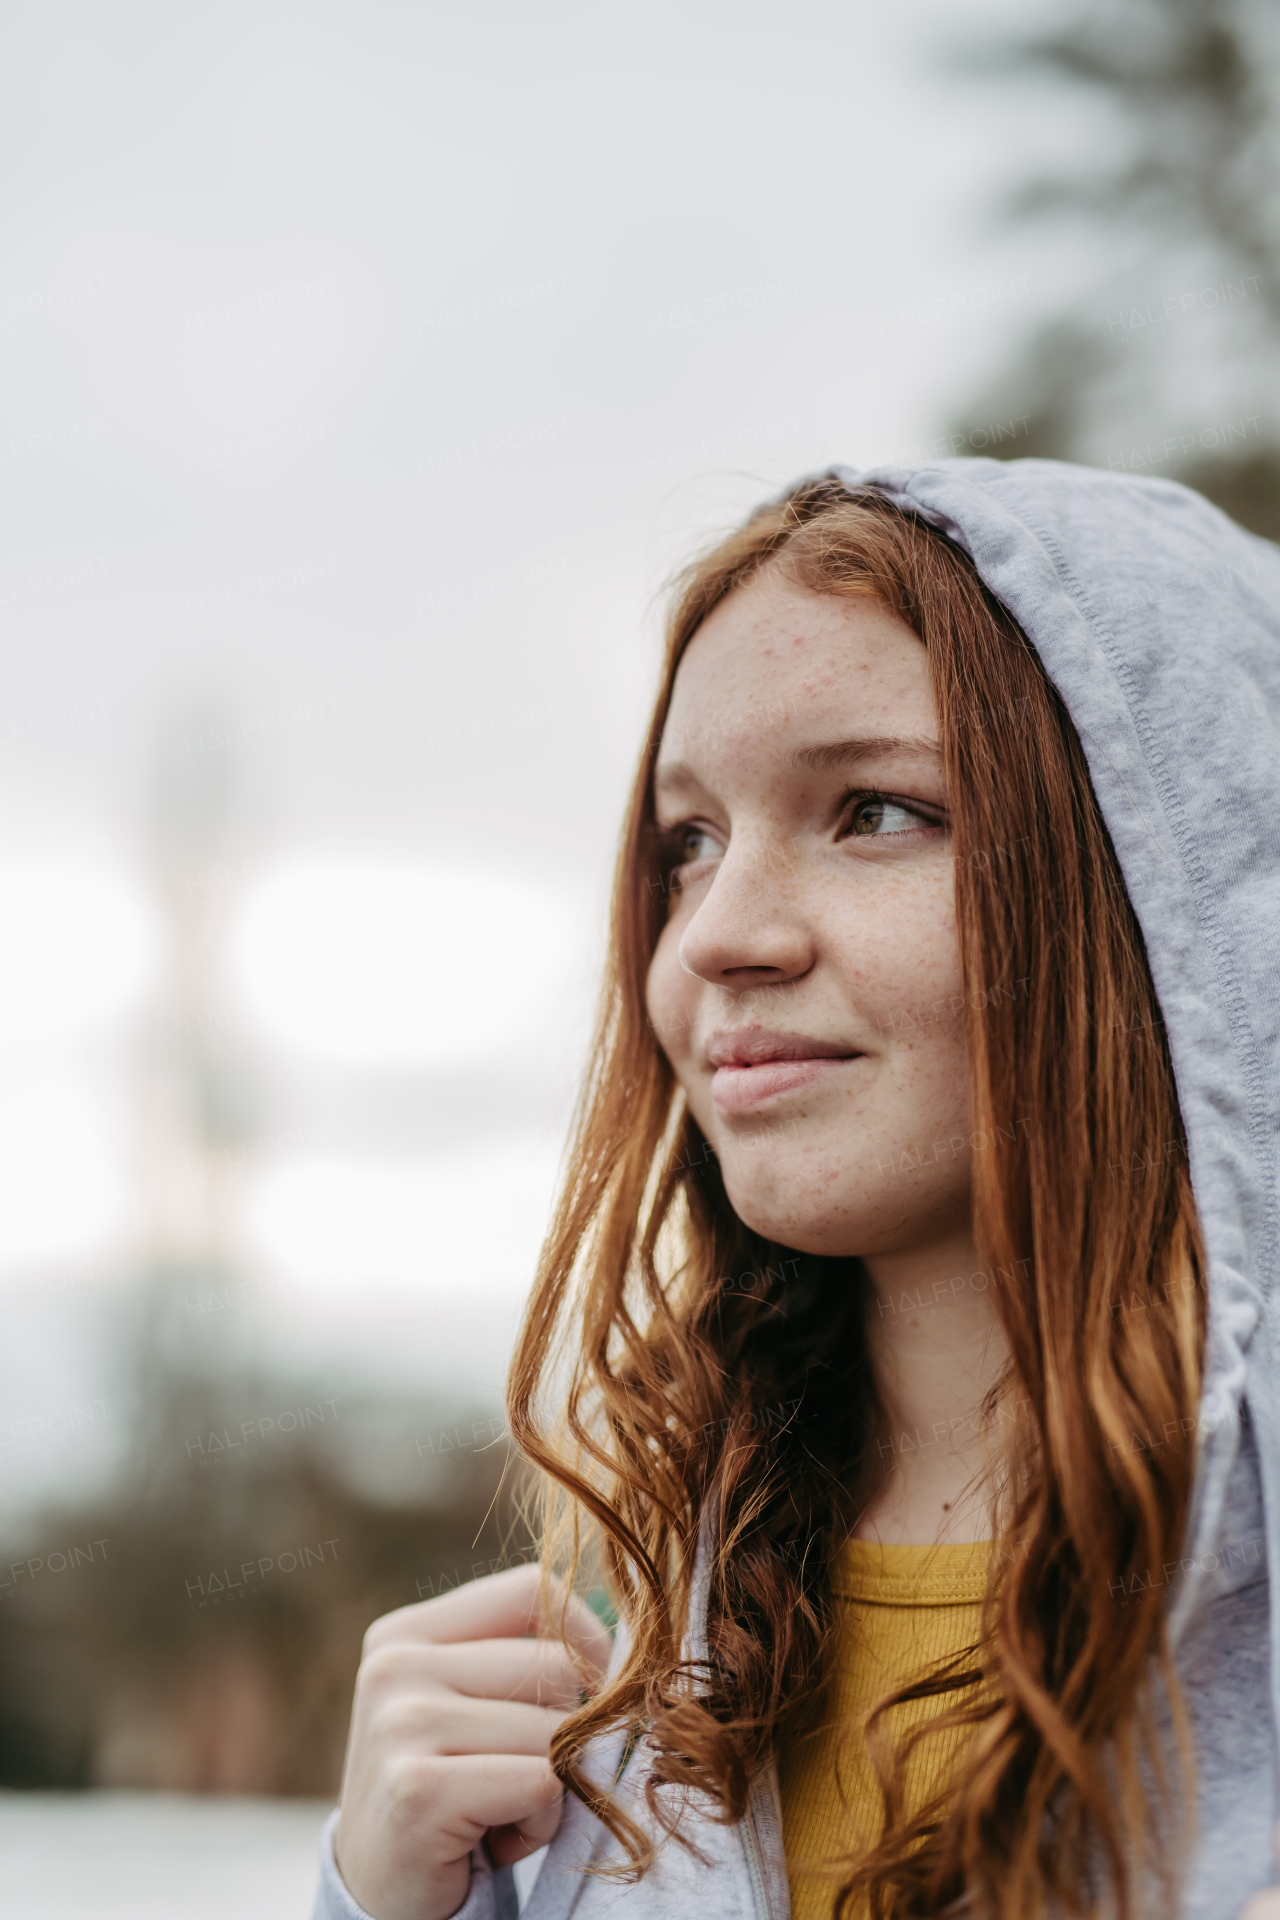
(1237, 1016)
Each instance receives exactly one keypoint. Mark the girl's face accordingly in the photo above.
(806, 987)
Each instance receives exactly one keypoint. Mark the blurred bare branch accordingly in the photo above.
(1176, 335)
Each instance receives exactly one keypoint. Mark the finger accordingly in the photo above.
(451, 1723)
(517, 1603)
(506, 1845)
(540, 1672)
(569, 1619)
(457, 1800)
(503, 1605)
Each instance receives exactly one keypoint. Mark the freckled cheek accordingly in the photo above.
(927, 1090)
(904, 965)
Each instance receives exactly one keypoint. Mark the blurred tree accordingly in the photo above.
(198, 1629)
(197, 1626)
(1167, 359)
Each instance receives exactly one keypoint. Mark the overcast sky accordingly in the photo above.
(367, 368)
(366, 371)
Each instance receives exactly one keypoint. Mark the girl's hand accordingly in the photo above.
(1265, 1906)
(454, 1710)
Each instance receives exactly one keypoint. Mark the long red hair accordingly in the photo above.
(662, 1405)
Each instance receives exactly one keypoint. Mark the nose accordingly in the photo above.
(748, 930)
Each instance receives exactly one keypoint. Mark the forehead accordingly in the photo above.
(774, 665)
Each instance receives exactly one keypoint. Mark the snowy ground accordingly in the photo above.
(156, 1856)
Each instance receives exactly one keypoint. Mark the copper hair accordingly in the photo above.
(662, 1406)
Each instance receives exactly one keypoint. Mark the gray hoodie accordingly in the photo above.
(1158, 620)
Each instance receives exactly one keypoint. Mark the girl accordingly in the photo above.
(901, 1362)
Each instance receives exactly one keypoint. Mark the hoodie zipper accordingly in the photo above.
(755, 1868)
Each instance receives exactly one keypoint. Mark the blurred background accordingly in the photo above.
(367, 370)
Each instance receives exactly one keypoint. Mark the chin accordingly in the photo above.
(835, 1211)
(781, 1214)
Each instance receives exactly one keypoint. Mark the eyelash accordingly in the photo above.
(863, 796)
(671, 837)
(669, 841)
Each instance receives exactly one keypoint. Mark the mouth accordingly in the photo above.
(753, 1067)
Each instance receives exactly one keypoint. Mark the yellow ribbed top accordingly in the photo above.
(903, 1609)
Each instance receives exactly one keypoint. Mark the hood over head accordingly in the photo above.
(1158, 621)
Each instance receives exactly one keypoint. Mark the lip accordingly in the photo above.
(759, 1064)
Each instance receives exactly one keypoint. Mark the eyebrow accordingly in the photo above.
(876, 746)
(822, 759)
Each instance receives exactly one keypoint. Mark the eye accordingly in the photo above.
(879, 816)
(686, 848)
(694, 843)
